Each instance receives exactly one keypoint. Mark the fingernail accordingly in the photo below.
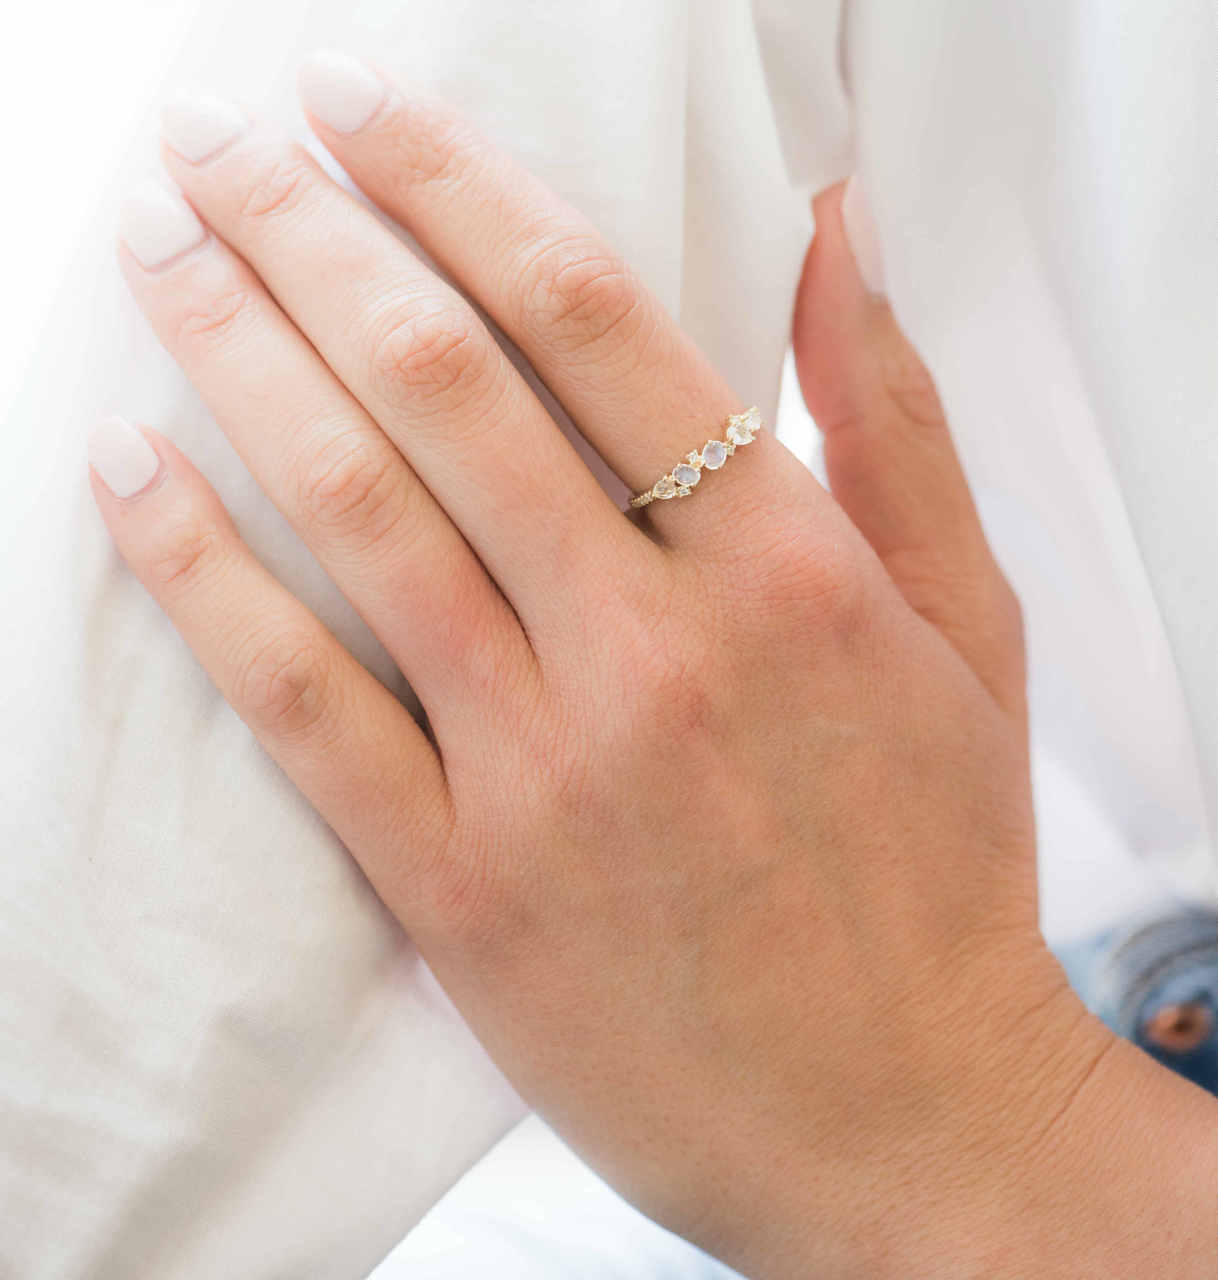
(197, 128)
(861, 232)
(122, 457)
(339, 90)
(156, 224)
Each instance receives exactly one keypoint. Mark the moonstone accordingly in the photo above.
(665, 488)
(714, 455)
(685, 475)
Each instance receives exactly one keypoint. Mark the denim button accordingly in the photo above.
(1155, 982)
(1180, 1028)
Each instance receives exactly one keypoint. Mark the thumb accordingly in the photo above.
(888, 451)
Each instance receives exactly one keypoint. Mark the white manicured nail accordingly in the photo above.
(157, 224)
(339, 90)
(861, 232)
(122, 456)
(197, 128)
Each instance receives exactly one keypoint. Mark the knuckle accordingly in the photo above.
(213, 319)
(190, 550)
(430, 148)
(937, 580)
(352, 489)
(916, 400)
(575, 295)
(434, 354)
(824, 591)
(467, 904)
(278, 187)
(832, 587)
(283, 684)
(799, 571)
(909, 385)
(472, 893)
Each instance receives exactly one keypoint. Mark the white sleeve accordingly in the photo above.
(1042, 184)
(803, 43)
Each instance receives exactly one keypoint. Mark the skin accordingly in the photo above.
(720, 834)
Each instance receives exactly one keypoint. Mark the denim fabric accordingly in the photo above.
(1127, 974)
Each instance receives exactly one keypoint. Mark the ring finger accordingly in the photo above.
(635, 384)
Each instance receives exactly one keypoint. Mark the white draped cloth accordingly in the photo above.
(219, 1056)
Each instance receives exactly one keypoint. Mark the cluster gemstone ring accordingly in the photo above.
(739, 429)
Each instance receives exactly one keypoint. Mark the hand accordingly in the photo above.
(719, 833)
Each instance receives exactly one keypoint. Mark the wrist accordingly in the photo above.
(1109, 1168)
(1025, 1139)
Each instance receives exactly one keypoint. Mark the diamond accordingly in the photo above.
(694, 458)
(665, 487)
(714, 455)
(685, 475)
(741, 428)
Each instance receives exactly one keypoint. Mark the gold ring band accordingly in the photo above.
(740, 429)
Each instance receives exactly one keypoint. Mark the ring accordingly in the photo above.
(680, 481)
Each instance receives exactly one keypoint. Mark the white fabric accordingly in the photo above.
(219, 1056)
(531, 1210)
